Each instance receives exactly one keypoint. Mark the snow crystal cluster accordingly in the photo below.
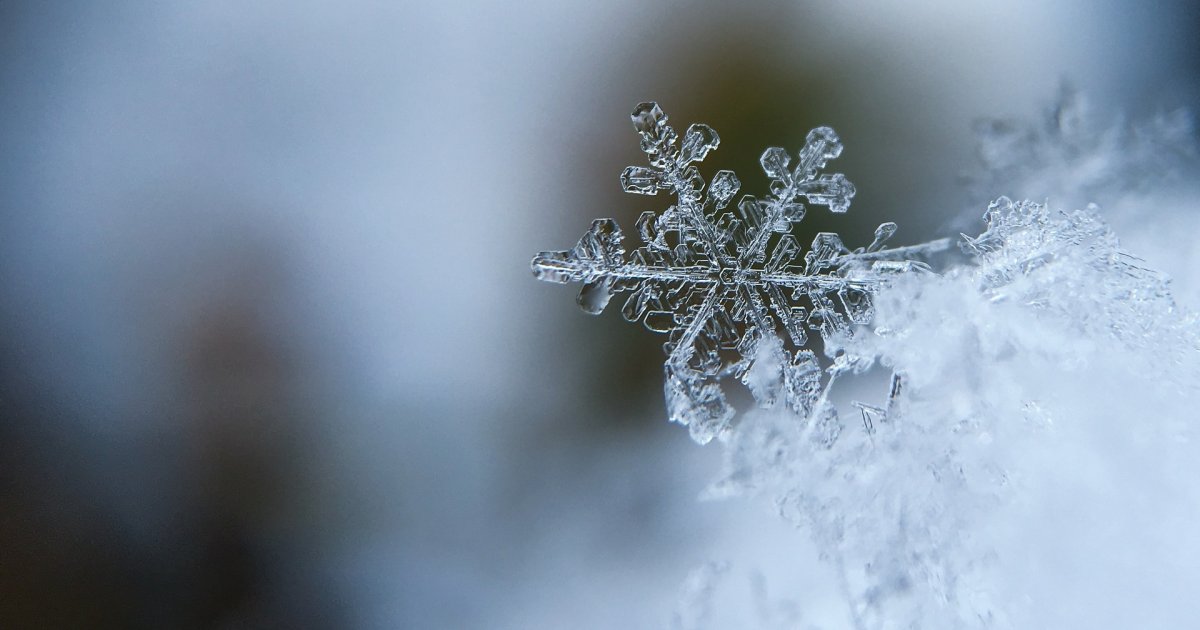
(1034, 463)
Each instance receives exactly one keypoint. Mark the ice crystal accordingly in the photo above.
(731, 288)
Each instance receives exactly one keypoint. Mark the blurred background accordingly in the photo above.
(270, 351)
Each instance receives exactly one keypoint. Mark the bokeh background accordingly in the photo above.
(270, 351)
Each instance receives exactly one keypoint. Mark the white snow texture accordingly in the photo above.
(1035, 462)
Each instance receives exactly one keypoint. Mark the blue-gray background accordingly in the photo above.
(270, 352)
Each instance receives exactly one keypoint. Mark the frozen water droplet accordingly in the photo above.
(594, 295)
(648, 117)
(884, 232)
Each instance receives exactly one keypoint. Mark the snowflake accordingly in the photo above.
(724, 284)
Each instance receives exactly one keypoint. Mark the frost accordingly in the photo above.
(733, 289)
(1085, 280)
(1077, 156)
(695, 596)
(1143, 171)
(1016, 369)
